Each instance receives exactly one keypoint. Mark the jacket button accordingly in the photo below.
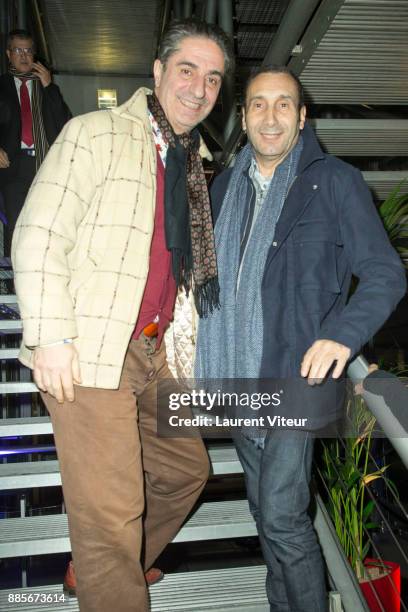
(275, 244)
(314, 186)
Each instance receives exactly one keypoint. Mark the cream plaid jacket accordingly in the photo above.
(81, 245)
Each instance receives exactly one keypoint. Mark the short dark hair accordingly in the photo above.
(276, 69)
(178, 30)
(24, 34)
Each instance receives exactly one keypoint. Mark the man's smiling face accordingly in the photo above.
(272, 117)
(187, 86)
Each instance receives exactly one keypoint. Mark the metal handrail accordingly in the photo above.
(357, 371)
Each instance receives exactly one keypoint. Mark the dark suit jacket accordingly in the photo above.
(54, 111)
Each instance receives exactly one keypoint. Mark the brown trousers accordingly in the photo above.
(127, 490)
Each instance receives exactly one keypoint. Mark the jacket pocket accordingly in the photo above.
(316, 230)
(317, 248)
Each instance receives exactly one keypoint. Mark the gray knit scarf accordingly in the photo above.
(229, 343)
(40, 139)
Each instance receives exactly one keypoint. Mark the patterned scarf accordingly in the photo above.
(188, 221)
(40, 139)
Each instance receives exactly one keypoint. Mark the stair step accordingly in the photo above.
(218, 520)
(31, 426)
(224, 460)
(223, 590)
(8, 388)
(9, 353)
(38, 535)
(30, 474)
(7, 298)
(239, 589)
(11, 326)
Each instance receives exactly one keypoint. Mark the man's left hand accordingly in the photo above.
(318, 360)
(43, 74)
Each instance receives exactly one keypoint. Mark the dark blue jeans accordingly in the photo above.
(277, 480)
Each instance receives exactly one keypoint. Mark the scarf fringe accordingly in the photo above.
(207, 297)
(181, 266)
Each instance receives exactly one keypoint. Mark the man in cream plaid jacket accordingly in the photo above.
(95, 281)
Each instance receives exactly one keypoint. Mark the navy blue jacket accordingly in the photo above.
(328, 230)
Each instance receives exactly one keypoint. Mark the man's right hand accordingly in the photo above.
(4, 160)
(56, 369)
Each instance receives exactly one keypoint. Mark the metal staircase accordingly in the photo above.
(240, 588)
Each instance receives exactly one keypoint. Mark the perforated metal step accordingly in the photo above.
(23, 537)
(25, 426)
(8, 298)
(9, 353)
(12, 326)
(17, 387)
(30, 474)
(240, 589)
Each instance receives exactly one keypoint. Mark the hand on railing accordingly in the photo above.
(358, 388)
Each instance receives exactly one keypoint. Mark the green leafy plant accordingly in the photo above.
(394, 214)
(348, 468)
(348, 474)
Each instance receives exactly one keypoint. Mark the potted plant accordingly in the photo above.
(349, 472)
(346, 471)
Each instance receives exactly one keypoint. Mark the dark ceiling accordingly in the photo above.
(351, 55)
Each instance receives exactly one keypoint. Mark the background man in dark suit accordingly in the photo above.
(32, 113)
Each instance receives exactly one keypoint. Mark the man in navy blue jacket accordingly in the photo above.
(292, 225)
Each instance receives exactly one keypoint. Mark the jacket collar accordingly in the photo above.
(312, 150)
(135, 109)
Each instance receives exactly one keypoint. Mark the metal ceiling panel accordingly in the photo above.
(382, 183)
(363, 57)
(99, 37)
(363, 137)
(251, 43)
(259, 11)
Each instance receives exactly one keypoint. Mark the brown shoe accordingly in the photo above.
(70, 580)
(153, 575)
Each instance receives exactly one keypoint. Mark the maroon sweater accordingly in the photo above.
(160, 291)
